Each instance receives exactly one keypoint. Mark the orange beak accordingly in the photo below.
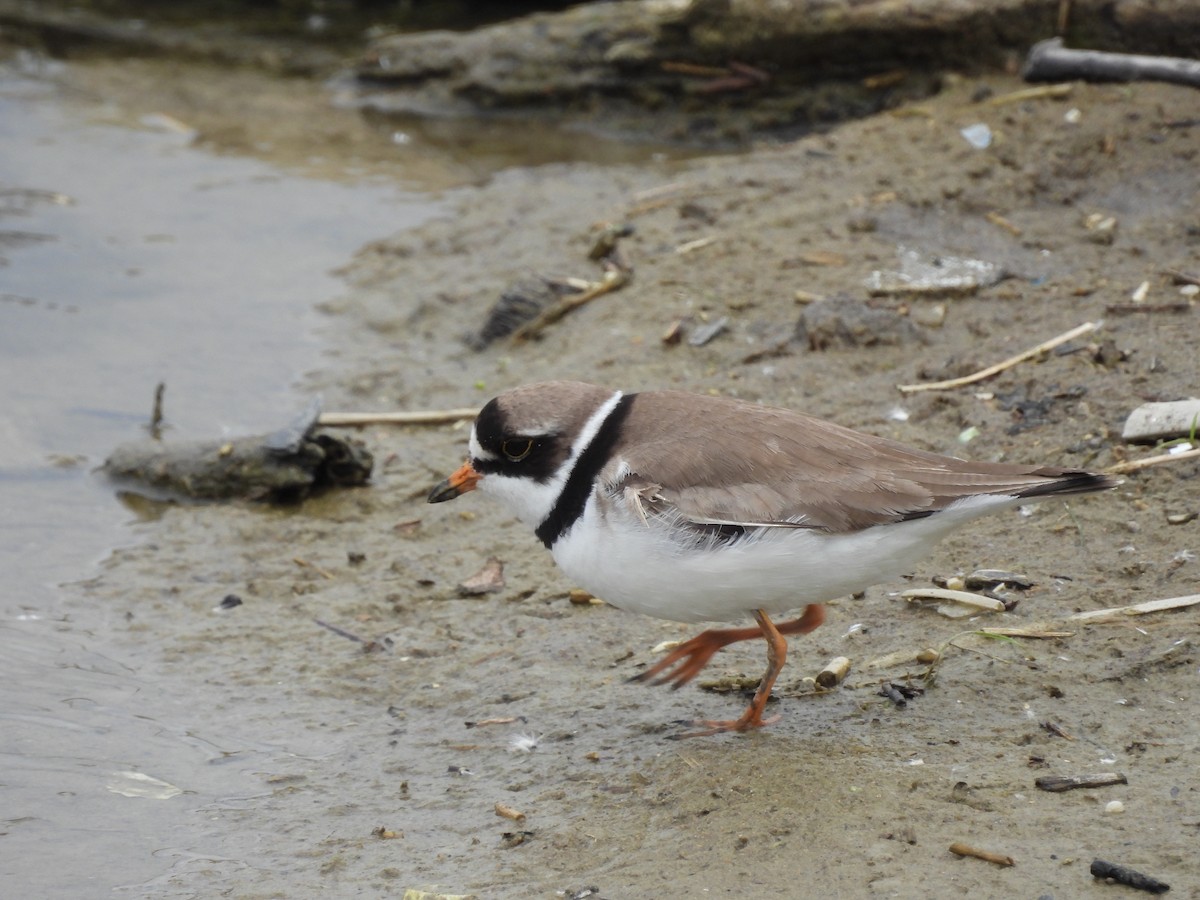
(464, 479)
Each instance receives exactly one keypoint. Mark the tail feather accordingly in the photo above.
(1061, 482)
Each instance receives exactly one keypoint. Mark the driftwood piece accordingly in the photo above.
(1049, 60)
(1058, 783)
(280, 467)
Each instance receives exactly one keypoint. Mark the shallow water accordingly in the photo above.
(139, 259)
(133, 258)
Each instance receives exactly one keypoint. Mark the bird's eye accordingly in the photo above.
(517, 449)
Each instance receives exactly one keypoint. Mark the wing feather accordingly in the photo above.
(757, 466)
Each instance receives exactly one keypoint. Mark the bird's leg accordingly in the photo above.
(752, 717)
(686, 661)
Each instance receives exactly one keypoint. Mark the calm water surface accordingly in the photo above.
(129, 257)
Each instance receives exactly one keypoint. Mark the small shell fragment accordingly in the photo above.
(487, 580)
(706, 333)
(969, 603)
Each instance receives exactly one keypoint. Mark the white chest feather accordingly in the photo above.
(642, 566)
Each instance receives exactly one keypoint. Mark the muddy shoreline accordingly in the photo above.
(319, 743)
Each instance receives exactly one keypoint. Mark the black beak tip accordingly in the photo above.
(442, 492)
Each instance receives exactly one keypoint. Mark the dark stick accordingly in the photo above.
(1049, 60)
(341, 632)
(1122, 875)
(156, 414)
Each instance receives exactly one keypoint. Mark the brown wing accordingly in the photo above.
(755, 465)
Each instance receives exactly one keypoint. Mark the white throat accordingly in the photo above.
(532, 501)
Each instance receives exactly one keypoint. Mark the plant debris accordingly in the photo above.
(1056, 784)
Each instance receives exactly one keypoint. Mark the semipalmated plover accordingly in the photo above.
(696, 508)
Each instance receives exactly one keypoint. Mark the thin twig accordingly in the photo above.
(340, 632)
(1135, 465)
(426, 417)
(613, 279)
(999, 367)
(958, 848)
(1119, 613)
(1053, 91)
(1181, 277)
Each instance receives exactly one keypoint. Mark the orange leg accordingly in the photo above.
(752, 717)
(686, 661)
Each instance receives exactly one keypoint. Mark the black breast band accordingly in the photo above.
(574, 496)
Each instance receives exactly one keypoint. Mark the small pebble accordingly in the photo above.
(231, 601)
(1114, 807)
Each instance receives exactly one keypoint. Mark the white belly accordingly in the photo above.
(640, 567)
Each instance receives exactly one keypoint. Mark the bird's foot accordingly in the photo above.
(687, 660)
(748, 721)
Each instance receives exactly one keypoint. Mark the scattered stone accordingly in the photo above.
(934, 276)
(851, 323)
(706, 333)
(1162, 421)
